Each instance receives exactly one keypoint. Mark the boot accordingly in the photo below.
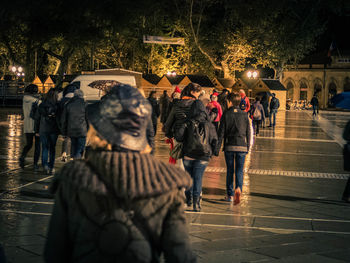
(188, 199)
(21, 162)
(196, 204)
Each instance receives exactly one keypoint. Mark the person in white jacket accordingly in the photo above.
(29, 99)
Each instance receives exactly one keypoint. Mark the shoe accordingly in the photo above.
(237, 198)
(64, 157)
(21, 162)
(196, 204)
(228, 198)
(189, 201)
(46, 170)
(269, 126)
(36, 167)
(52, 171)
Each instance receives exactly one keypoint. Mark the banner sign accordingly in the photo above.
(164, 40)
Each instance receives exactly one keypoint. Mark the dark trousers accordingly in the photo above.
(48, 144)
(256, 126)
(29, 143)
(77, 147)
(315, 110)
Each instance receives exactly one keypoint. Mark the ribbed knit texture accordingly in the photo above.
(130, 175)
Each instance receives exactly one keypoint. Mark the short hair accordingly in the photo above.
(234, 98)
(241, 91)
(31, 88)
(273, 94)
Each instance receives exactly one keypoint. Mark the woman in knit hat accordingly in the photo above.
(120, 204)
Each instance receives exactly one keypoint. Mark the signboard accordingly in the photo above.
(164, 40)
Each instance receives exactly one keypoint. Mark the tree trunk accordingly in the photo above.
(226, 70)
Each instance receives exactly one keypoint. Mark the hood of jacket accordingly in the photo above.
(129, 175)
(29, 99)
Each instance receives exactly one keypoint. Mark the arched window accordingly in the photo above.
(290, 90)
(347, 84)
(303, 91)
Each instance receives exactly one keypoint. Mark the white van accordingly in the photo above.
(91, 94)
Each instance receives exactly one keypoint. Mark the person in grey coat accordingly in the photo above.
(119, 204)
(30, 101)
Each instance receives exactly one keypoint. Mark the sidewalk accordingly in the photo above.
(291, 210)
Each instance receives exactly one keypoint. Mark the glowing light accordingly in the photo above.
(13, 69)
(249, 74)
(255, 74)
(20, 69)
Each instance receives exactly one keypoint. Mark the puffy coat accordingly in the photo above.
(234, 130)
(88, 194)
(74, 122)
(28, 123)
(46, 119)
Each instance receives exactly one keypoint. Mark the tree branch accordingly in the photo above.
(197, 42)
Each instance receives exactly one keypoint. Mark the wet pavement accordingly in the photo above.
(291, 210)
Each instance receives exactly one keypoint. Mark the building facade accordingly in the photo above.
(320, 75)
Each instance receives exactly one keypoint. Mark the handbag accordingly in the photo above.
(346, 156)
(177, 151)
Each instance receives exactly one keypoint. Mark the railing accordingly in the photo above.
(11, 92)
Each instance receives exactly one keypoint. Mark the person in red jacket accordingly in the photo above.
(244, 105)
(214, 106)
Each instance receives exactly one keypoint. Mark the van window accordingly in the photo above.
(76, 83)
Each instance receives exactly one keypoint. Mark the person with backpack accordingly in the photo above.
(46, 125)
(119, 204)
(235, 132)
(244, 104)
(75, 124)
(257, 115)
(30, 105)
(274, 105)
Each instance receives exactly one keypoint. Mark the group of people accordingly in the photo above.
(59, 112)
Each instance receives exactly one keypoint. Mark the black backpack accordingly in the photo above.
(197, 142)
(243, 104)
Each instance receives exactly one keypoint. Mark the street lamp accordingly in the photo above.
(252, 74)
(171, 74)
(18, 71)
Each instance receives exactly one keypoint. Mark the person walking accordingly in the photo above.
(235, 132)
(155, 110)
(213, 104)
(164, 106)
(245, 104)
(257, 114)
(48, 130)
(196, 154)
(75, 124)
(314, 103)
(265, 103)
(346, 156)
(30, 104)
(120, 203)
(274, 105)
(67, 94)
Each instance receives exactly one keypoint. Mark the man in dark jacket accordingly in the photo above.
(235, 131)
(164, 104)
(155, 110)
(74, 123)
(314, 103)
(119, 204)
(265, 103)
(274, 105)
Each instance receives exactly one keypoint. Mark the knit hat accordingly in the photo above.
(121, 117)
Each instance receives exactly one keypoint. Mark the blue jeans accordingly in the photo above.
(315, 110)
(231, 159)
(196, 169)
(273, 115)
(77, 146)
(48, 144)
